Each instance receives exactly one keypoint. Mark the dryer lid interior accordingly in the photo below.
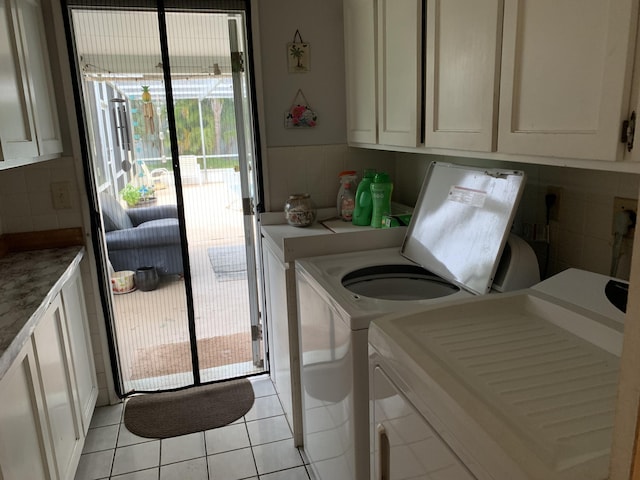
(461, 222)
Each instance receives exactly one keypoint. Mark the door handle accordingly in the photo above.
(385, 452)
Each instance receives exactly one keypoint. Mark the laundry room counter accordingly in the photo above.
(324, 237)
(283, 245)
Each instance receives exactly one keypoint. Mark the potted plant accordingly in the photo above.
(130, 194)
(134, 195)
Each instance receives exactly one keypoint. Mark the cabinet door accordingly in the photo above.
(80, 348)
(462, 69)
(43, 95)
(633, 154)
(404, 443)
(54, 363)
(17, 128)
(23, 433)
(360, 66)
(565, 76)
(399, 72)
(283, 337)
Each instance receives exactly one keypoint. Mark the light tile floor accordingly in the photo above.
(256, 446)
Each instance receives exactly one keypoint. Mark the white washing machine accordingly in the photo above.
(520, 386)
(452, 251)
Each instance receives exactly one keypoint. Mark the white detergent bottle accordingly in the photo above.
(350, 177)
(347, 202)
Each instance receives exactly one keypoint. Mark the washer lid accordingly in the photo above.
(461, 223)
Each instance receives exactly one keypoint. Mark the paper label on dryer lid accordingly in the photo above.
(467, 196)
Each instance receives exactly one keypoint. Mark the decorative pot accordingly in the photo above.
(147, 278)
(122, 281)
(299, 210)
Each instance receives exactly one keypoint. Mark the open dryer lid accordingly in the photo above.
(461, 222)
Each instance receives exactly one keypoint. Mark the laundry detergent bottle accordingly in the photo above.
(381, 189)
(363, 205)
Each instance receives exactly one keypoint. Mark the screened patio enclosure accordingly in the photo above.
(126, 129)
(172, 133)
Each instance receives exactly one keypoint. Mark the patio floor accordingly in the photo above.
(152, 326)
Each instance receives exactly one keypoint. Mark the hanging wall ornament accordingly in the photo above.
(298, 54)
(146, 94)
(300, 113)
(147, 111)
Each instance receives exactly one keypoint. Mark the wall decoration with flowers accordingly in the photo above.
(300, 114)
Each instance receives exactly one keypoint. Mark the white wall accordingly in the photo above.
(306, 159)
(320, 24)
(315, 169)
(26, 203)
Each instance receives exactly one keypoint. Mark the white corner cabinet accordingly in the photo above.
(49, 392)
(528, 81)
(383, 48)
(29, 123)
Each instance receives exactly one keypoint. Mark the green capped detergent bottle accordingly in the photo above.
(364, 206)
(381, 189)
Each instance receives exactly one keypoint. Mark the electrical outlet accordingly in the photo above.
(61, 195)
(620, 205)
(554, 212)
(535, 232)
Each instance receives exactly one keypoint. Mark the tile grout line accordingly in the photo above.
(253, 455)
(115, 447)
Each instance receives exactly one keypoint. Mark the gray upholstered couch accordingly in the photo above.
(142, 236)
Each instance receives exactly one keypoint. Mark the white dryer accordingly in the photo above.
(453, 250)
(593, 291)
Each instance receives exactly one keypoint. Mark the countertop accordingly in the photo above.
(326, 236)
(29, 281)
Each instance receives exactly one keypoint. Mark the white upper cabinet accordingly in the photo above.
(565, 77)
(43, 95)
(547, 81)
(383, 55)
(17, 129)
(360, 66)
(399, 72)
(29, 125)
(629, 133)
(462, 73)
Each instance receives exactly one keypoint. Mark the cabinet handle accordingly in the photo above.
(628, 131)
(383, 442)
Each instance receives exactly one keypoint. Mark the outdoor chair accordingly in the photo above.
(160, 178)
(190, 169)
(142, 237)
